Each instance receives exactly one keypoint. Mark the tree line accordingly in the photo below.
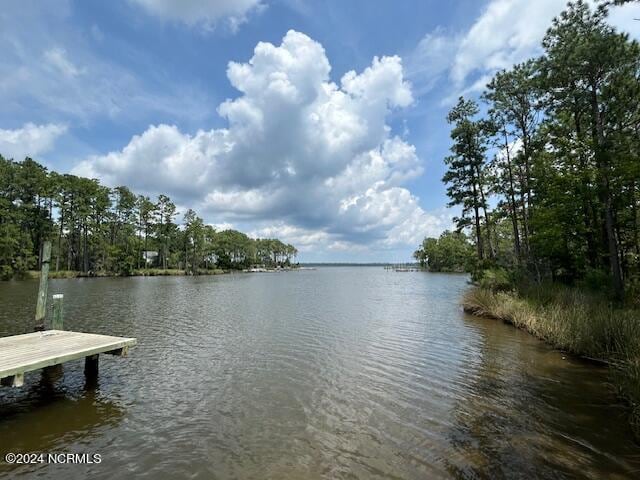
(451, 252)
(546, 168)
(96, 230)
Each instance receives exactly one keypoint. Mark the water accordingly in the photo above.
(335, 373)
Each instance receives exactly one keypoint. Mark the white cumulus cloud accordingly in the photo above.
(314, 158)
(507, 32)
(30, 140)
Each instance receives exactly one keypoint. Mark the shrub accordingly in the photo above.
(495, 279)
(596, 280)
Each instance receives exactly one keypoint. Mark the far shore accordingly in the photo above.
(146, 272)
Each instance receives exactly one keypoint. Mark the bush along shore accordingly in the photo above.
(151, 272)
(577, 321)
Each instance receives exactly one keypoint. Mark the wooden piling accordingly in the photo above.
(41, 306)
(57, 321)
(91, 366)
(53, 373)
(16, 380)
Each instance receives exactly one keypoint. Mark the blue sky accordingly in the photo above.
(328, 130)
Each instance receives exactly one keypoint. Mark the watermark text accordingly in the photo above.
(52, 458)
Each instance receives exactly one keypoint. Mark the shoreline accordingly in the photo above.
(574, 322)
(146, 272)
(152, 272)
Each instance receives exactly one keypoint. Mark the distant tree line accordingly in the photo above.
(547, 167)
(99, 230)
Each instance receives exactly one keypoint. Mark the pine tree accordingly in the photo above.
(466, 171)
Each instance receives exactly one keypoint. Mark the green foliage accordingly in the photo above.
(121, 261)
(565, 174)
(451, 252)
(496, 280)
(596, 281)
(100, 231)
(465, 176)
(558, 158)
(16, 254)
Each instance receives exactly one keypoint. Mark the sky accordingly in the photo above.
(320, 123)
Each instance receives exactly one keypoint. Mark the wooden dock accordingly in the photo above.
(47, 348)
(24, 353)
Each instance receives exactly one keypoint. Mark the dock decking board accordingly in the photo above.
(31, 351)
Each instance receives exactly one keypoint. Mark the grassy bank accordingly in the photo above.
(582, 323)
(143, 272)
(33, 274)
(160, 272)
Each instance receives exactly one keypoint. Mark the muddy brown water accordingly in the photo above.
(351, 373)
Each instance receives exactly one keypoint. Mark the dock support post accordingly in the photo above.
(16, 380)
(91, 367)
(57, 321)
(41, 306)
(53, 373)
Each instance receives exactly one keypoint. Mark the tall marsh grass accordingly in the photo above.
(576, 321)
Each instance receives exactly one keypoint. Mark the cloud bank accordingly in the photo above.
(30, 140)
(302, 156)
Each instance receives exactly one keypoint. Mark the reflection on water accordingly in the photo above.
(334, 373)
(532, 410)
(52, 414)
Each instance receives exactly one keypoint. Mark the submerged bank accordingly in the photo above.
(577, 322)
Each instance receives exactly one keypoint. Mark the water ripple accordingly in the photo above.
(334, 373)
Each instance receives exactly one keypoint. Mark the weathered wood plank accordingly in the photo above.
(119, 352)
(32, 351)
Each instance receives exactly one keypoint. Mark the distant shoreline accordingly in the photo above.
(340, 264)
(173, 272)
(148, 272)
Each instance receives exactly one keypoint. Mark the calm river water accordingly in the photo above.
(351, 373)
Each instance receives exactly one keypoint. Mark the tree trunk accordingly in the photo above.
(603, 168)
(60, 240)
(634, 212)
(479, 243)
(512, 199)
(85, 266)
(592, 250)
(486, 216)
(525, 215)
